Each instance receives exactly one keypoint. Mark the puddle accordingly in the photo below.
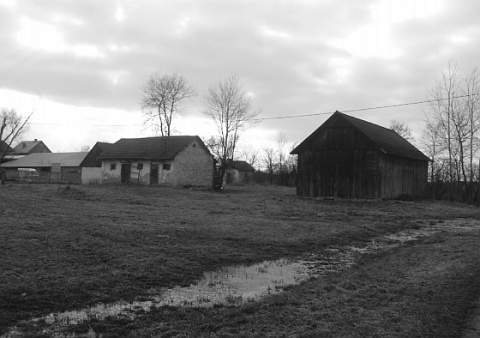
(236, 285)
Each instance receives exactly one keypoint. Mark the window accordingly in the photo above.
(194, 145)
(140, 166)
(113, 166)
(167, 166)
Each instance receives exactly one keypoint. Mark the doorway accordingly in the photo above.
(154, 174)
(125, 173)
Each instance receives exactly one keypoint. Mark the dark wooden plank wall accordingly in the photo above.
(342, 163)
(403, 177)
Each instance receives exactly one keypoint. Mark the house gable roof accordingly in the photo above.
(27, 147)
(38, 160)
(240, 165)
(150, 148)
(388, 141)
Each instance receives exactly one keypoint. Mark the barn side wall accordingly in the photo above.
(403, 177)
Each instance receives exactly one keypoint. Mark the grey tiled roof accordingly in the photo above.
(149, 148)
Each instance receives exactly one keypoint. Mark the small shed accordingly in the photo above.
(350, 158)
(50, 167)
(239, 172)
(165, 160)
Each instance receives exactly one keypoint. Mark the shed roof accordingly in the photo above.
(25, 147)
(38, 160)
(240, 165)
(150, 148)
(387, 140)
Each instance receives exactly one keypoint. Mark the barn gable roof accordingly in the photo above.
(240, 165)
(150, 148)
(388, 141)
(37, 160)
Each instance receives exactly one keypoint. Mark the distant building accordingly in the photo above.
(239, 173)
(30, 147)
(350, 158)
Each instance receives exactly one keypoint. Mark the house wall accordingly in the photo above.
(341, 162)
(194, 166)
(141, 176)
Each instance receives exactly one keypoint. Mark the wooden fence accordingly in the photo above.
(49, 177)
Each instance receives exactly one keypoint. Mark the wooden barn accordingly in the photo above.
(350, 158)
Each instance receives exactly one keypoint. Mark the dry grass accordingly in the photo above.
(66, 248)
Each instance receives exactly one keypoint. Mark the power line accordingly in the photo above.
(284, 117)
(87, 125)
(361, 109)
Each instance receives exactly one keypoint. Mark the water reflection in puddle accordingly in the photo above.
(230, 285)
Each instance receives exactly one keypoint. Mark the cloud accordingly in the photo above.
(296, 57)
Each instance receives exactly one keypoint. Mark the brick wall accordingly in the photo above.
(194, 166)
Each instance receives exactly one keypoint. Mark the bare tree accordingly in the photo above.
(472, 103)
(445, 102)
(401, 129)
(270, 162)
(453, 125)
(231, 109)
(12, 127)
(433, 145)
(251, 156)
(83, 149)
(162, 97)
(282, 159)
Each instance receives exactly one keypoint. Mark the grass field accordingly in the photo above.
(65, 248)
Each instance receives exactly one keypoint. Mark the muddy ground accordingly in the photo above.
(65, 249)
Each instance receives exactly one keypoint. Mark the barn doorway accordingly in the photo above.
(125, 173)
(154, 174)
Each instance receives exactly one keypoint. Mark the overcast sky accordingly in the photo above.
(81, 64)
